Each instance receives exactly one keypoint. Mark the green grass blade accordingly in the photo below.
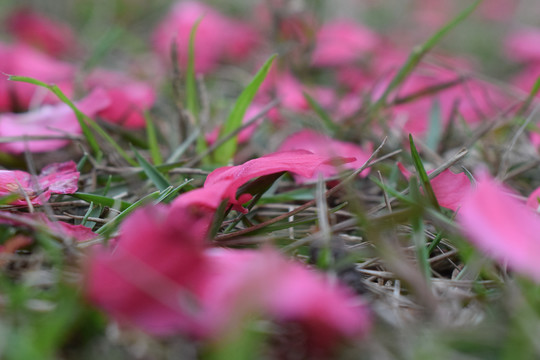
(328, 123)
(192, 102)
(420, 51)
(80, 116)
(435, 126)
(228, 148)
(104, 45)
(101, 200)
(153, 174)
(424, 178)
(152, 140)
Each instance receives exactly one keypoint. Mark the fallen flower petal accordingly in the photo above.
(449, 188)
(57, 178)
(37, 30)
(129, 99)
(56, 120)
(23, 60)
(323, 145)
(502, 227)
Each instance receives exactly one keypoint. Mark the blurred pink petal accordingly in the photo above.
(218, 37)
(152, 277)
(53, 120)
(524, 45)
(264, 282)
(161, 278)
(129, 98)
(502, 227)
(325, 146)
(342, 42)
(22, 60)
(56, 178)
(35, 29)
(450, 189)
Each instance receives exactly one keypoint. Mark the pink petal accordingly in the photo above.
(57, 178)
(24, 61)
(218, 37)
(129, 98)
(502, 227)
(55, 120)
(450, 189)
(325, 146)
(35, 29)
(153, 275)
(342, 42)
(524, 45)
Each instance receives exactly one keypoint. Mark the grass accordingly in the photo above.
(431, 293)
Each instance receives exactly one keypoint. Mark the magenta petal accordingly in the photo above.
(153, 275)
(450, 189)
(60, 178)
(57, 178)
(502, 227)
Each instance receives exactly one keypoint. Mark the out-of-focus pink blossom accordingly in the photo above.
(502, 227)
(23, 60)
(325, 146)
(153, 276)
(56, 178)
(524, 45)
(450, 189)
(129, 98)
(53, 120)
(342, 42)
(223, 183)
(288, 293)
(161, 278)
(218, 37)
(32, 28)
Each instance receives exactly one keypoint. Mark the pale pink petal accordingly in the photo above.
(60, 178)
(524, 45)
(502, 227)
(54, 120)
(325, 146)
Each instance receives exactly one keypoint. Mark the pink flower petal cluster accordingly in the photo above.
(22, 60)
(502, 227)
(54, 120)
(223, 183)
(325, 146)
(450, 189)
(129, 98)
(342, 42)
(56, 178)
(35, 29)
(218, 37)
(162, 278)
